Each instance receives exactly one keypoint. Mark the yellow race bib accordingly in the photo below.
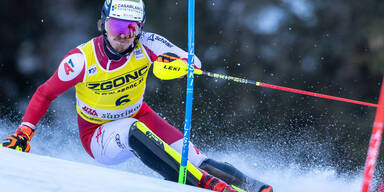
(107, 95)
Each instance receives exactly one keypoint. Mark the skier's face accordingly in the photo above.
(120, 33)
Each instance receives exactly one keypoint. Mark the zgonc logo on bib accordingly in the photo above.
(119, 81)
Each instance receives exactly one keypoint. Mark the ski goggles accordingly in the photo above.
(117, 27)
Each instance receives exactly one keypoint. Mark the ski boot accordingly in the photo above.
(233, 176)
(210, 182)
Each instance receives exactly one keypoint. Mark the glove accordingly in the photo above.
(20, 139)
(167, 57)
(169, 66)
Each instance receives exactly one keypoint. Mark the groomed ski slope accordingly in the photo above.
(34, 173)
(59, 163)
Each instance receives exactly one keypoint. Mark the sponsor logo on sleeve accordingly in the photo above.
(154, 37)
(71, 67)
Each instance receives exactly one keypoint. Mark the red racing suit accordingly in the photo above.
(69, 75)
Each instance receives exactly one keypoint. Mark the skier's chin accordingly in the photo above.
(122, 45)
(121, 48)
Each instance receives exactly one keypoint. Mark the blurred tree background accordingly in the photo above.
(332, 47)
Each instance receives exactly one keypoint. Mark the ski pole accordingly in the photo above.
(177, 68)
(260, 84)
(188, 105)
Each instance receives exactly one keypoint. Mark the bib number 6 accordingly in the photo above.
(122, 100)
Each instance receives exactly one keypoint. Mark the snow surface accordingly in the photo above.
(39, 173)
(58, 162)
(35, 173)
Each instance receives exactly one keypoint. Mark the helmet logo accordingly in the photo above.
(132, 10)
(114, 7)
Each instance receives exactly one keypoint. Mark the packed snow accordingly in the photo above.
(36, 173)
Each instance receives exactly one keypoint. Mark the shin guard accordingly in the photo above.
(162, 158)
(158, 155)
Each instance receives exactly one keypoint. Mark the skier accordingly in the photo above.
(109, 73)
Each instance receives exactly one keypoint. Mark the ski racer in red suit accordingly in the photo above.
(109, 73)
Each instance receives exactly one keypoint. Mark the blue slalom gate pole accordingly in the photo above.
(189, 99)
